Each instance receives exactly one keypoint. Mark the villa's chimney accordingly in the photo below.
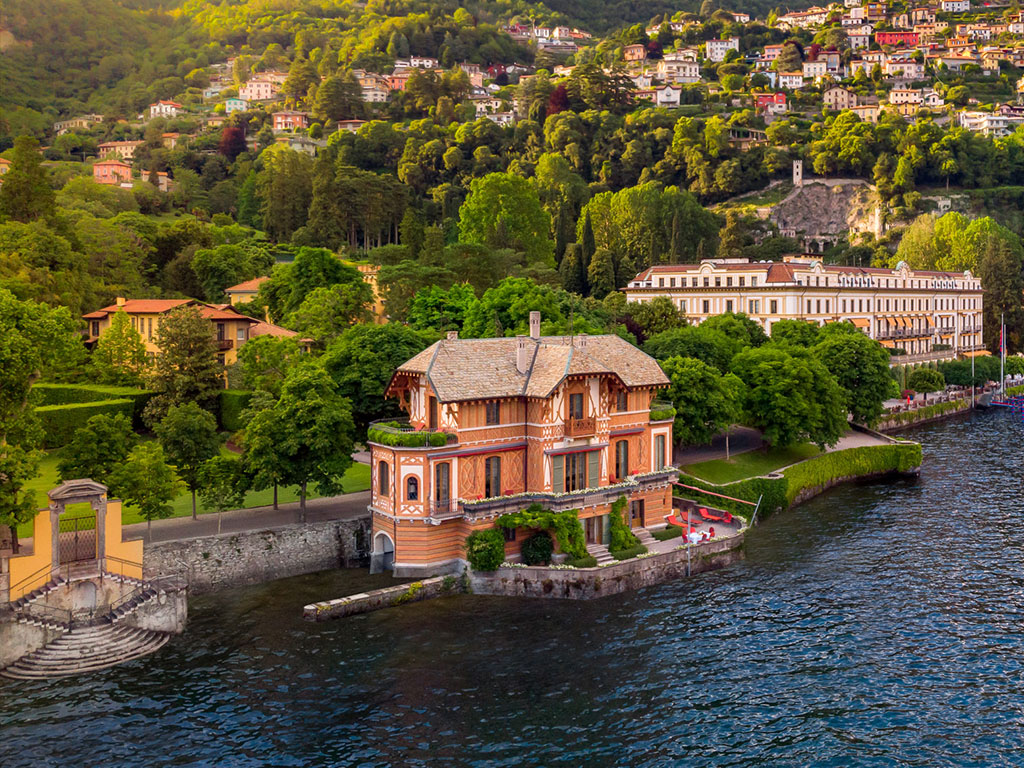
(120, 301)
(453, 335)
(522, 354)
(581, 341)
(535, 324)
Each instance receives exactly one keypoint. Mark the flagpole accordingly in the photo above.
(1002, 355)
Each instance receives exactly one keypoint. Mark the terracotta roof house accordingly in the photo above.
(231, 328)
(245, 291)
(495, 425)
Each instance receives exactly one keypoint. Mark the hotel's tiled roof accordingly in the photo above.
(480, 369)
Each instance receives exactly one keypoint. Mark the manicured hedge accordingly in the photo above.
(582, 562)
(853, 462)
(779, 493)
(626, 554)
(925, 412)
(68, 394)
(412, 439)
(662, 414)
(232, 402)
(60, 421)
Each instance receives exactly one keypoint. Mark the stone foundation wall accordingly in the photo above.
(167, 613)
(589, 583)
(210, 563)
(18, 639)
(387, 597)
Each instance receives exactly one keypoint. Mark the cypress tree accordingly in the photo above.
(572, 272)
(601, 273)
(676, 248)
(589, 246)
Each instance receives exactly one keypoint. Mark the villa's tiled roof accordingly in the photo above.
(480, 369)
(247, 285)
(159, 306)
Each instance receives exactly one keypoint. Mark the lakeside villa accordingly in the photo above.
(495, 425)
(931, 315)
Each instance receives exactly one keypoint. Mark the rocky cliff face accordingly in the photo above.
(828, 208)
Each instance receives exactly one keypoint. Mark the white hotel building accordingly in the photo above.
(901, 308)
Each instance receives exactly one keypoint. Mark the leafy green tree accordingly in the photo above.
(26, 194)
(504, 211)
(799, 333)
(926, 380)
(266, 361)
(306, 437)
(327, 311)
(436, 309)
(33, 338)
(97, 448)
(339, 97)
(1000, 272)
(223, 483)
(650, 318)
(504, 310)
(699, 342)
(573, 271)
(790, 396)
(738, 326)
(222, 266)
(186, 370)
(290, 284)
(189, 438)
(704, 404)
(362, 360)
(146, 482)
(120, 356)
(285, 191)
(861, 367)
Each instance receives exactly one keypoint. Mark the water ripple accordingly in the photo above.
(877, 625)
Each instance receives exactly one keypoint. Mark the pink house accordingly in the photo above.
(772, 103)
(111, 172)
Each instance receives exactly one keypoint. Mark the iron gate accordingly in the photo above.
(77, 538)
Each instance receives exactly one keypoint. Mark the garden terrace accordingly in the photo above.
(662, 410)
(399, 433)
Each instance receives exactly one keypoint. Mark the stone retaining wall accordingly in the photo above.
(891, 425)
(588, 583)
(387, 597)
(210, 563)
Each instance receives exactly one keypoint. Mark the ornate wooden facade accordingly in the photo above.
(558, 420)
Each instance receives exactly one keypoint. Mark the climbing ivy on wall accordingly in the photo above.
(566, 526)
(619, 533)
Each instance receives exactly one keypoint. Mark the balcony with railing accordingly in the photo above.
(584, 427)
(444, 509)
(400, 433)
(223, 345)
(560, 502)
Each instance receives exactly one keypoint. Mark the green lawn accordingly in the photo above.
(750, 464)
(356, 479)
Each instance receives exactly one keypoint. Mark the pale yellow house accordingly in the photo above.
(232, 329)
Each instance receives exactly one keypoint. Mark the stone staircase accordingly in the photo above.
(38, 592)
(600, 553)
(644, 537)
(89, 649)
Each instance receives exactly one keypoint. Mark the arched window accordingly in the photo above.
(383, 481)
(412, 489)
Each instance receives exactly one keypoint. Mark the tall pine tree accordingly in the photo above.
(26, 194)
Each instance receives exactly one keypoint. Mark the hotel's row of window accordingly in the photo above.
(845, 282)
(706, 281)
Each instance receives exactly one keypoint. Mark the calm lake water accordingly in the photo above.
(879, 624)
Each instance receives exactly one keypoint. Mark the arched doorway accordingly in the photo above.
(383, 557)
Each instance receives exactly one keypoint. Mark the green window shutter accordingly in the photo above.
(558, 474)
(593, 468)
